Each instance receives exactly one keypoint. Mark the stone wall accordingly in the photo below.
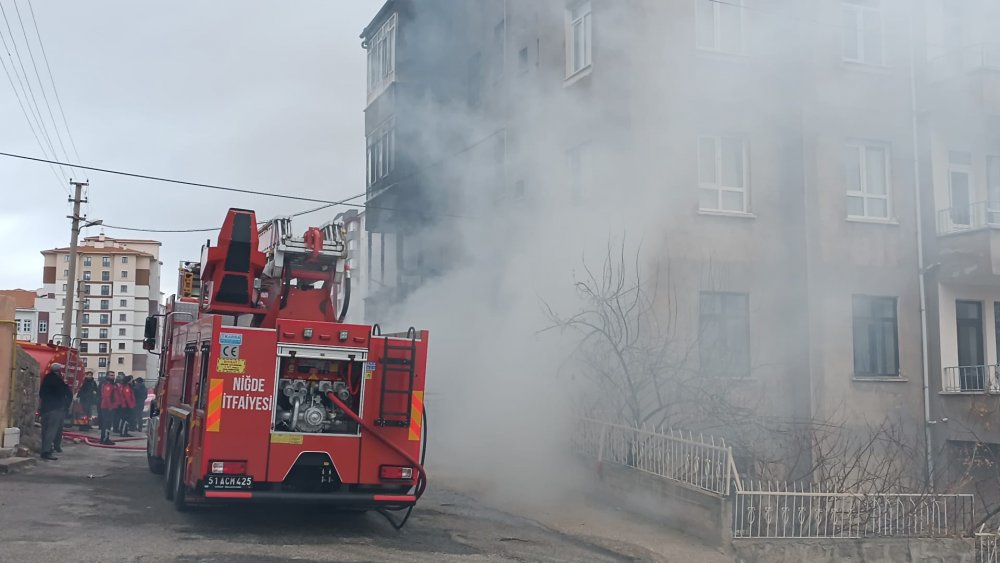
(25, 399)
(874, 550)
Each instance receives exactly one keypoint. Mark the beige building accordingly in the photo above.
(783, 147)
(118, 286)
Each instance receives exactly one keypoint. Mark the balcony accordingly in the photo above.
(970, 73)
(968, 244)
(977, 380)
(978, 215)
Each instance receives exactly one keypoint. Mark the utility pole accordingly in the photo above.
(67, 326)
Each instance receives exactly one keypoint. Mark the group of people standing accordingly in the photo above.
(118, 403)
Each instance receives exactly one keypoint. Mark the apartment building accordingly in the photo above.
(30, 324)
(117, 287)
(799, 156)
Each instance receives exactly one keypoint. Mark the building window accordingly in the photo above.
(876, 343)
(122, 317)
(102, 348)
(84, 347)
(64, 288)
(105, 304)
(43, 327)
(121, 332)
(124, 275)
(123, 302)
(104, 333)
(522, 60)
(105, 275)
(352, 227)
(960, 188)
(64, 301)
(105, 290)
(123, 289)
(86, 303)
(86, 276)
(578, 37)
(65, 257)
(724, 334)
(863, 32)
(121, 345)
(102, 362)
(66, 273)
(86, 318)
(84, 333)
(720, 25)
(121, 360)
(722, 174)
(382, 58)
(106, 261)
(86, 288)
(868, 181)
(87, 261)
(83, 361)
(381, 151)
(105, 319)
(124, 259)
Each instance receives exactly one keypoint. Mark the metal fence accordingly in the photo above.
(772, 511)
(971, 379)
(986, 547)
(703, 462)
(966, 217)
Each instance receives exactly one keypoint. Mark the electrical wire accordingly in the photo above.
(52, 80)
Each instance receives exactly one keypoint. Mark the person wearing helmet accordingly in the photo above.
(110, 399)
(52, 407)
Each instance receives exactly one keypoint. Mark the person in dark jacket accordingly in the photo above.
(67, 414)
(108, 405)
(140, 392)
(52, 407)
(88, 396)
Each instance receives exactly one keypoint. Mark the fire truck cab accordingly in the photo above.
(265, 394)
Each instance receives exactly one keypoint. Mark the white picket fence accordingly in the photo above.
(770, 510)
(696, 460)
(987, 548)
(778, 510)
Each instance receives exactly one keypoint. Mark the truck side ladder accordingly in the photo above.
(397, 382)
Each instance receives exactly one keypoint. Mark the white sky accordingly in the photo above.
(251, 94)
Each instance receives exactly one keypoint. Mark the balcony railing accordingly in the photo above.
(971, 379)
(974, 216)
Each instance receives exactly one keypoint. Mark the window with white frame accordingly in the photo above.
(381, 152)
(868, 180)
(352, 227)
(382, 58)
(43, 327)
(124, 259)
(720, 25)
(722, 174)
(87, 261)
(26, 325)
(578, 37)
(864, 31)
(106, 261)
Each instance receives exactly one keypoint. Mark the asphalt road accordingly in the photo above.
(99, 505)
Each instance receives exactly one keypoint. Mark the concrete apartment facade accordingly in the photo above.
(788, 145)
(118, 287)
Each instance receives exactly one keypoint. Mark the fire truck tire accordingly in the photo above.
(168, 483)
(156, 465)
(179, 490)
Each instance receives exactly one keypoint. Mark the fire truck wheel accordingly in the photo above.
(156, 465)
(168, 483)
(179, 490)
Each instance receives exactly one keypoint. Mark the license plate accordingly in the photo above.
(228, 482)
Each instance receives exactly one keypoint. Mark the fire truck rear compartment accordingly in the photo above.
(302, 405)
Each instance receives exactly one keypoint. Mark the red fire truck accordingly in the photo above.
(266, 394)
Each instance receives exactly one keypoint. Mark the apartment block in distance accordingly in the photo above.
(31, 324)
(117, 287)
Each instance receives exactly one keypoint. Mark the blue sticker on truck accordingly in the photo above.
(230, 338)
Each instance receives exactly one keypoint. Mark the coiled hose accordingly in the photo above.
(419, 465)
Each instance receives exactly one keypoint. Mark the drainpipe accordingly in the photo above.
(920, 258)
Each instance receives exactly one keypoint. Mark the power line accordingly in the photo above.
(38, 78)
(55, 90)
(210, 229)
(26, 86)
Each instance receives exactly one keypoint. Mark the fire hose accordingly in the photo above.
(91, 441)
(421, 485)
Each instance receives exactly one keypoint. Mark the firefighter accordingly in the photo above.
(52, 407)
(88, 396)
(140, 392)
(125, 406)
(109, 400)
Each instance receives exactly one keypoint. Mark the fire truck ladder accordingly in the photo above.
(398, 376)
